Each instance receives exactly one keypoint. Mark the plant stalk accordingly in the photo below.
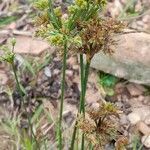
(62, 94)
(84, 79)
(86, 75)
(83, 98)
(82, 94)
(82, 83)
(73, 136)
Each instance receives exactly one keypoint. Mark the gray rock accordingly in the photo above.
(131, 59)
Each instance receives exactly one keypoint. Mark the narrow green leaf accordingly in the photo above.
(37, 114)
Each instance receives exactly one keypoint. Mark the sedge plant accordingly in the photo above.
(51, 28)
(80, 30)
(8, 56)
(60, 30)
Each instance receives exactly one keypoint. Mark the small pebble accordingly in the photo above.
(119, 105)
(146, 141)
(68, 117)
(47, 72)
(75, 67)
(109, 146)
(143, 128)
(138, 6)
(123, 119)
(146, 27)
(69, 73)
(141, 98)
(147, 120)
(134, 90)
(72, 61)
(146, 18)
(134, 118)
(56, 71)
(134, 25)
(95, 106)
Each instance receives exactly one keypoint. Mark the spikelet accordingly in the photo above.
(99, 127)
(121, 143)
(41, 19)
(41, 4)
(96, 35)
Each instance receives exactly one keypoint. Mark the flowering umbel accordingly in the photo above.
(52, 25)
(86, 32)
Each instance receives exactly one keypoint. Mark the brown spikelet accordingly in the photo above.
(121, 143)
(99, 125)
(97, 34)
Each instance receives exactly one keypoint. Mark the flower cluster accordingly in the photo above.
(84, 3)
(99, 127)
(53, 24)
(97, 34)
(81, 3)
(86, 32)
(41, 4)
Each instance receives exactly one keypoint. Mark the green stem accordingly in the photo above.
(82, 83)
(74, 136)
(82, 93)
(82, 142)
(83, 98)
(84, 79)
(17, 82)
(85, 85)
(90, 146)
(62, 94)
(54, 19)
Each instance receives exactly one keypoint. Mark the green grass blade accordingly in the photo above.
(37, 114)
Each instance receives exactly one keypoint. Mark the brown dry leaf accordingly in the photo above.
(46, 128)
(51, 109)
